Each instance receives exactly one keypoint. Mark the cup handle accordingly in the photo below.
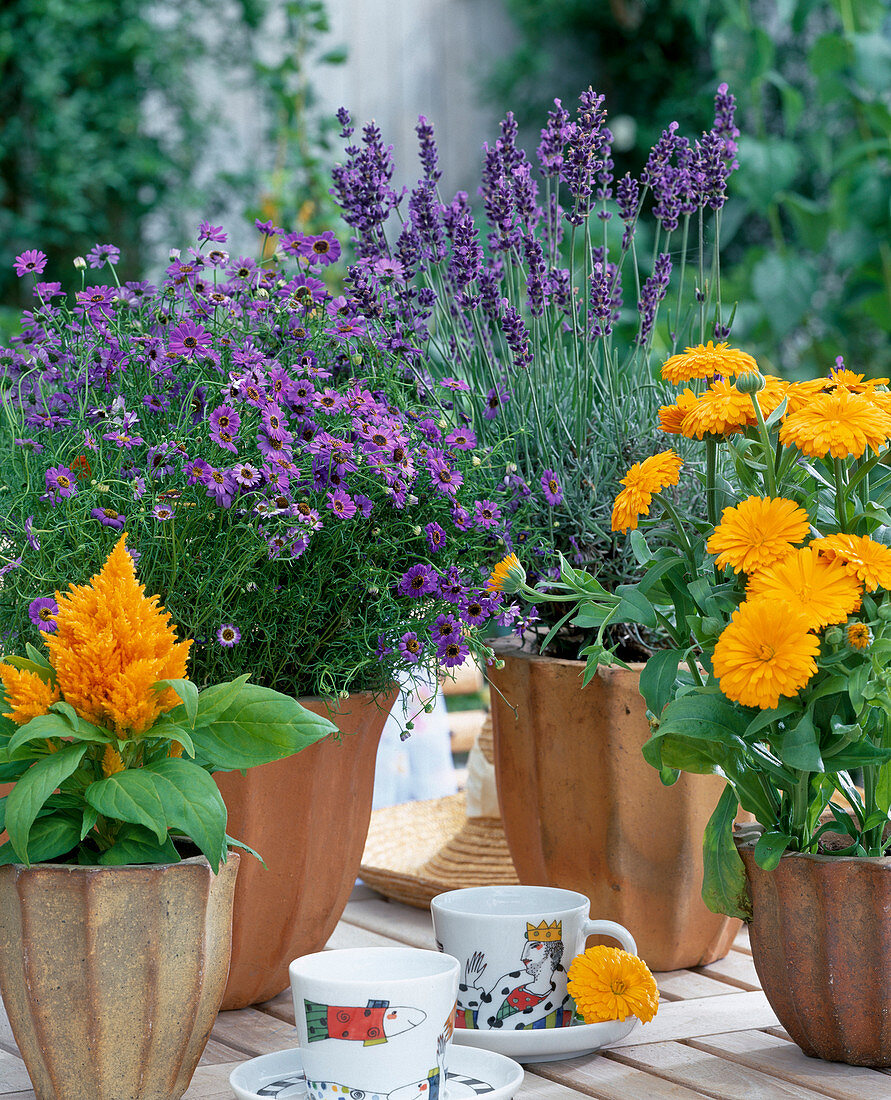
(610, 928)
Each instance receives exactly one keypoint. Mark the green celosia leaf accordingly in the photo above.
(137, 845)
(193, 803)
(50, 837)
(188, 693)
(33, 789)
(130, 795)
(55, 725)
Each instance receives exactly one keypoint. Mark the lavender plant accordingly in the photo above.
(301, 510)
(522, 319)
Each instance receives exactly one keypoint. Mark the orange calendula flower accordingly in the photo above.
(609, 984)
(507, 576)
(840, 424)
(641, 482)
(671, 417)
(864, 558)
(855, 383)
(764, 652)
(706, 361)
(721, 410)
(859, 635)
(28, 694)
(758, 532)
(800, 394)
(805, 581)
(112, 643)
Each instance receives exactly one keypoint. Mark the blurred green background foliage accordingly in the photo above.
(806, 232)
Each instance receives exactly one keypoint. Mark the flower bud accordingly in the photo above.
(711, 625)
(750, 382)
(80, 263)
(884, 612)
(834, 637)
(262, 293)
(174, 254)
(356, 360)
(416, 530)
(476, 461)
(499, 664)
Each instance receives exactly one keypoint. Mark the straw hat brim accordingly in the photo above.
(417, 850)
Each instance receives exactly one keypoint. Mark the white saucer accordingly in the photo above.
(472, 1074)
(546, 1044)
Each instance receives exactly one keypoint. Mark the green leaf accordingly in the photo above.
(642, 553)
(164, 730)
(785, 287)
(704, 714)
(137, 845)
(770, 847)
(261, 725)
(33, 789)
(766, 718)
(188, 693)
(38, 658)
(130, 795)
(634, 607)
(799, 747)
(90, 817)
(23, 664)
(192, 802)
(724, 874)
(231, 842)
(50, 837)
(214, 700)
(658, 678)
(55, 725)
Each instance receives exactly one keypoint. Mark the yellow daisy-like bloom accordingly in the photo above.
(864, 558)
(859, 635)
(507, 576)
(840, 424)
(111, 644)
(758, 532)
(641, 482)
(765, 651)
(721, 410)
(855, 383)
(671, 417)
(28, 695)
(820, 588)
(772, 396)
(705, 361)
(800, 394)
(609, 984)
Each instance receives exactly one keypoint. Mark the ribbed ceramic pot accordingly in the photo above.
(308, 817)
(821, 942)
(583, 810)
(112, 976)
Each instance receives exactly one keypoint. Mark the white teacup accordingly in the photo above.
(515, 944)
(375, 1020)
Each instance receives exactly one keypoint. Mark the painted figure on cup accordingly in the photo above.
(522, 998)
(373, 1023)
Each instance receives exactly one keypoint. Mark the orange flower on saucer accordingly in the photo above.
(609, 984)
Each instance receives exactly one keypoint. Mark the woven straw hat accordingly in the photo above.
(419, 849)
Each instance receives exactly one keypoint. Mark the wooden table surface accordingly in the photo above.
(714, 1036)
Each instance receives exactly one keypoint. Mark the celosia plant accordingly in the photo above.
(111, 746)
(776, 603)
(305, 513)
(539, 315)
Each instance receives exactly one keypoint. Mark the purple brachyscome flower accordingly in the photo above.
(452, 652)
(42, 613)
(486, 514)
(162, 512)
(323, 249)
(457, 384)
(109, 517)
(228, 635)
(100, 254)
(410, 648)
(444, 476)
(221, 485)
(341, 504)
(247, 476)
(418, 581)
(445, 627)
(462, 439)
(189, 339)
(551, 488)
(60, 483)
(208, 232)
(495, 398)
(31, 262)
(475, 609)
(435, 536)
(33, 540)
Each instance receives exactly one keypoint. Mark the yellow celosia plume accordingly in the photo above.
(112, 642)
(29, 696)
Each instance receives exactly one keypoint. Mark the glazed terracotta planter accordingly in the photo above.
(308, 817)
(583, 810)
(821, 943)
(112, 976)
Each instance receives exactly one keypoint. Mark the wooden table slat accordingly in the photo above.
(706, 1016)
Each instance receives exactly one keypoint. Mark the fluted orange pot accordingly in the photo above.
(583, 810)
(112, 976)
(821, 943)
(308, 817)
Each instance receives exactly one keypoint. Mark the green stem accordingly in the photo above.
(770, 478)
(840, 493)
(711, 479)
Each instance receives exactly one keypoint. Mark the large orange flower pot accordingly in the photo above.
(308, 817)
(822, 950)
(583, 810)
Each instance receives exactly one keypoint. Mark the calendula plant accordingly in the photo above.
(775, 600)
(521, 308)
(111, 747)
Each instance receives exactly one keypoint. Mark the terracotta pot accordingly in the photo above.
(308, 817)
(112, 976)
(822, 949)
(583, 810)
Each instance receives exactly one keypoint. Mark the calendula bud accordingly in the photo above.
(833, 637)
(711, 625)
(884, 612)
(750, 382)
(80, 263)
